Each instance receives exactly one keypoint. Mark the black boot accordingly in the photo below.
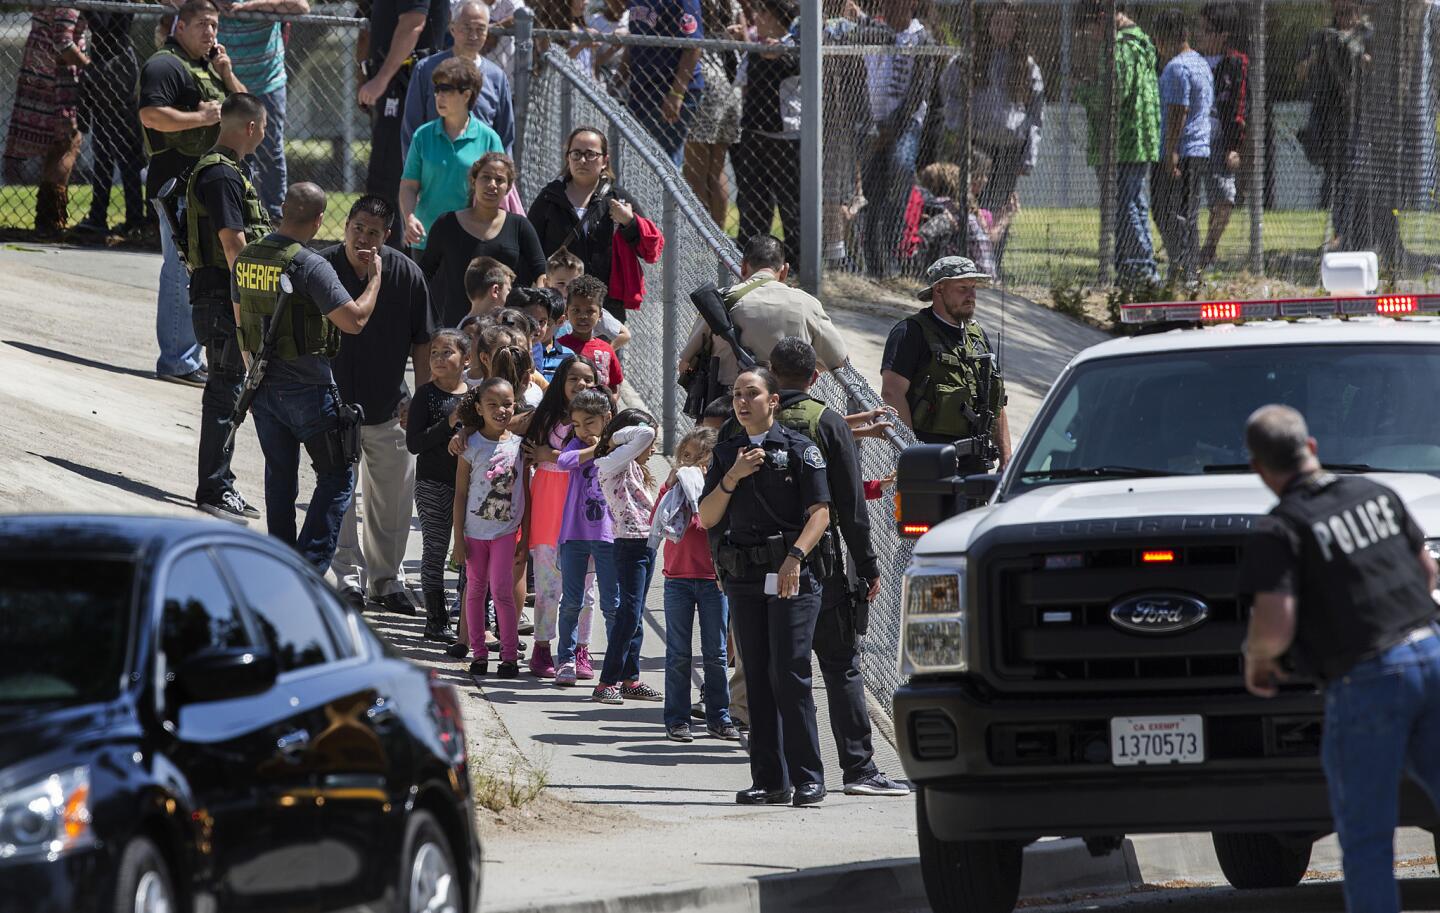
(437, 618)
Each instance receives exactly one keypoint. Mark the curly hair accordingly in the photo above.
(469, 408)
(589, 288)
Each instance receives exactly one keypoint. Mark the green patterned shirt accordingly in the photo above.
(1137, 109)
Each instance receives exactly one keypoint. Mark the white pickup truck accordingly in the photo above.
(1073, 646)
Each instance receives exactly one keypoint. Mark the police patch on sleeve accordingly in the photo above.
(812, 457)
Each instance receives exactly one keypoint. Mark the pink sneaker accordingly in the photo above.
(583, 669)
(541, 663)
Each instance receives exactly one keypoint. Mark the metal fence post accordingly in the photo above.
(1108, 190)
(670, 320)
(1255, 124)
(347, 126)
(524, 66)
(1067, 30)
(812, 144)
(616, 143)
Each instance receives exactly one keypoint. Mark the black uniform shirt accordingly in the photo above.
(222, 190)
(384, 16)
(773, 499)
(1347, 550)
(166, 83)
(370, 369)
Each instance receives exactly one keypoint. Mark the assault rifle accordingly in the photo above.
(167, 207)
(256, 374)
(711, 305)
(981, 443)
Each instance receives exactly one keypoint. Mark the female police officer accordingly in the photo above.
(767, 503)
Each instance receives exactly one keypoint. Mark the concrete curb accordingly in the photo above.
(1051, 867)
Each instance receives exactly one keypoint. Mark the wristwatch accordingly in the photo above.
(795, 553)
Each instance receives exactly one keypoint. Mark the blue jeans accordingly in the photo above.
(270, 172)
(179, 352)
(887, 176)
(286, 416)
(575, 558)
(625, 627)
(1381, 718)
(1134, 251)
(683, 598)
(645, 102)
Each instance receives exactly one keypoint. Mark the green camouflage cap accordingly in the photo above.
(949, 268)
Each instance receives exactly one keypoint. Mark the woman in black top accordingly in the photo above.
(483, 230)
(582, 209)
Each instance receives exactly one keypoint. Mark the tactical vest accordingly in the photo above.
(203, 246)
(304, 330)
(948, 393)
(197, 140)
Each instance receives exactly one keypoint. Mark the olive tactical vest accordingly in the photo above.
(203, 246)
(948, 391)
(304, 330)
(197, 140)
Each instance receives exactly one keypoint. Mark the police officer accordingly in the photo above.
(222, 214)
(1339, 572)
(939, 373)
(767, 503)
(181, 88)
(297, 402)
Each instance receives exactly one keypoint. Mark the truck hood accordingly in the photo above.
(1170, 496)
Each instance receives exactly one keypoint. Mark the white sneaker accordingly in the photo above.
(565, 675)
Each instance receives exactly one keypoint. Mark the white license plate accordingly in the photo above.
(1136, 740)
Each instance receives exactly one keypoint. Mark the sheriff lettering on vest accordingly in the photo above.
(222, 214)
(939, 372)
(297, 403)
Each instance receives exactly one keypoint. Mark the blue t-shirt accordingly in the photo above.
(1188, 81)
(317, 280)
(652, 70)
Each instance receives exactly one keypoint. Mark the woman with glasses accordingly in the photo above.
(482, 229)
(583, 210)
(438, 163)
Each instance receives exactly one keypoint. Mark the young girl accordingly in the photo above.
(622, 455)
(549, 432)
(691, 588)
(429, 428)
(587, 531)
(489, 504)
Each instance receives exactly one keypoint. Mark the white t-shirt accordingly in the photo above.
(495, 503)
(503, 54)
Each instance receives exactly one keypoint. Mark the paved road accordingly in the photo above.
(1420, 893)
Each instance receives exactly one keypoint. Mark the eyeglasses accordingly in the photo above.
(441, 87)
(585, 155)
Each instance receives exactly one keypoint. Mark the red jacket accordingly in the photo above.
(627, 279)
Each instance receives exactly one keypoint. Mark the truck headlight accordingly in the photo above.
(933, 635)
(47, 817)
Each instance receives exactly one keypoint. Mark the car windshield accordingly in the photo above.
(64, 625)
(1369, 407)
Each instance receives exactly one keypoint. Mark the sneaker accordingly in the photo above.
(640, 691)
(726, 731)
(697, 711)
(526, 627)
(877, 784)
(196, 378)
(480, 666)
(229, 506)
(508, 669)
(565, 675)
(246, 508)
(88, 227)
(584, 669)
(541, 663)
(606, 694)
(680, 733)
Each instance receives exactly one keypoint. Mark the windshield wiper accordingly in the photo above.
(1080, 472)
(1331, 467)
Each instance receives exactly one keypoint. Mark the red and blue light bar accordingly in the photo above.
(1278, 308)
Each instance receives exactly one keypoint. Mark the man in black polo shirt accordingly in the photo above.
(1339, 571)
(370, 370)
(399, 33)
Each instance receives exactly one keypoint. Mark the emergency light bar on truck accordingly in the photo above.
(1278, 308)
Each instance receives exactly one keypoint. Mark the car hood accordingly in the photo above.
(33, 739)
(1169, 496)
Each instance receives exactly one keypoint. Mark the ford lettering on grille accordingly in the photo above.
(1159, 613)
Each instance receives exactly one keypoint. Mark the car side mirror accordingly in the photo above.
(223, 675)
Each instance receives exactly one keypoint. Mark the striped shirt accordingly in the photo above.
(256, 52)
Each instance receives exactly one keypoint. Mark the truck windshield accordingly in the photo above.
(1370, 408)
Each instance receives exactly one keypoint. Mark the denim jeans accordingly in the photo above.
(575, 560)
(645, 102)
(683, 599)
(1134, 251)
(887, 176)
(1177, 214)
(270, 172)
(286, 415)
(1381, 718)
(625, 627)
(179, 352)
(214, 325)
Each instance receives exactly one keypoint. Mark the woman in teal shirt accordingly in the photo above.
(435, 180)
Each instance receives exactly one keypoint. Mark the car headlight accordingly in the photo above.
(933, 636)
(48, 817)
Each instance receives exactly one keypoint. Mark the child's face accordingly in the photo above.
(579, 378)
(497, 407)
(692, 453)
(583, 314)
(560, 280)
(588, 428)
(978, 180)
(446, 360)
(541, 315)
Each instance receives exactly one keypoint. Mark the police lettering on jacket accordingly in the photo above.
(1360, 527)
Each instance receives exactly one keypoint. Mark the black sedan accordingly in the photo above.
(191, 721)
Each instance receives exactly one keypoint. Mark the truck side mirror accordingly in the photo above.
(925, 483)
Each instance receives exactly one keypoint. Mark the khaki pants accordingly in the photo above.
(387, 483)
(739, 705)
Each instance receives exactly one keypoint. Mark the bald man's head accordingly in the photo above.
(1278, 439)
(304, 203)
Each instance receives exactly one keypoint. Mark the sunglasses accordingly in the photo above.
(446, 87)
